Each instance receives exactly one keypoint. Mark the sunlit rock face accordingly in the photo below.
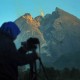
(59, 34)
(29, 28)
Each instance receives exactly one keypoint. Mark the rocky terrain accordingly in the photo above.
(59, 35)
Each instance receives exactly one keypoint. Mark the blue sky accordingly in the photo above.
(10, 10)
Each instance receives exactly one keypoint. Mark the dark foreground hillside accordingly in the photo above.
(53, 74)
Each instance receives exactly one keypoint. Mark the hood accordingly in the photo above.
(11, 29)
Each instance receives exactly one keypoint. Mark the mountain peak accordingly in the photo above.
(30, 20)
(61, 12)
(57, 9)
(27, 14)
(28, 17)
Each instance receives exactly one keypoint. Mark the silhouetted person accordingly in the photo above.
(10, 57)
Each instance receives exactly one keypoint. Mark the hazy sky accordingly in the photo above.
(10, 10)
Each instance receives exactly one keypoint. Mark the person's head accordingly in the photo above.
(11, 29)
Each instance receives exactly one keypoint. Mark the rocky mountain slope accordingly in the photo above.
(71, 60)
(59, 34)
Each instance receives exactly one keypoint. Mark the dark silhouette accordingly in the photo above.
(10, 57)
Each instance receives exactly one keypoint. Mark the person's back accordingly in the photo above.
(10, 57)
(6, 65)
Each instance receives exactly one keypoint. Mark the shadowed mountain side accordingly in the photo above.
(71, 60)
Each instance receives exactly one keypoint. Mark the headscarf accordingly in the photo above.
(11, 29)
